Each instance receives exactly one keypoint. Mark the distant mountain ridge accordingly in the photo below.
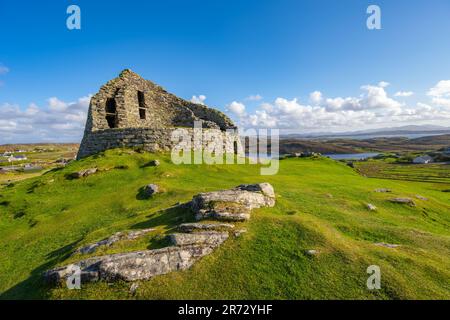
(388, 131)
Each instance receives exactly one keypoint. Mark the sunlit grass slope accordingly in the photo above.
(321, 205)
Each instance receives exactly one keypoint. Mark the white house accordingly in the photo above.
(17, 158)
(423, 160)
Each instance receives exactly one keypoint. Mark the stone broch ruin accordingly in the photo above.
(130, 111)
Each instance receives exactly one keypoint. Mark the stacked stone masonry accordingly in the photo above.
(130, 111)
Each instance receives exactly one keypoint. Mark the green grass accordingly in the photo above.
(44, 219)
(437, 173)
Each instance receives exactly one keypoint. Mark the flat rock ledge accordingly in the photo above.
(141, 265)
(234, 204)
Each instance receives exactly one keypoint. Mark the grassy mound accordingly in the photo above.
(321, 205)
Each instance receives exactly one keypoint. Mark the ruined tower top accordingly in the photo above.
(129, 101)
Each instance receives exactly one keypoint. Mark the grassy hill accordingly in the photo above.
(321, 204)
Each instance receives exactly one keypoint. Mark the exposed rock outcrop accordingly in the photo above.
(234, 204)
(83, 173)
(194, 241)
(407, 201)
(132, 266)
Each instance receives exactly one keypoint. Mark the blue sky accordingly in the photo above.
(227, 51)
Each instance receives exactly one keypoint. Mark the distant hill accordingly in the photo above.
(380, 144)
(407, 131)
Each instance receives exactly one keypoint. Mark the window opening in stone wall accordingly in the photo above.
(111, 116)
(142, 106)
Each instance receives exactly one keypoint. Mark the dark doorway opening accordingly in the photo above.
(235, 145)
(111, 114)
(142, 106)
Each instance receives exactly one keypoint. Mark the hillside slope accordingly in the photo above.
(321, 205)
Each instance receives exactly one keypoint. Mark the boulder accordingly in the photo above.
(311, 252)
(234, 204)
(407, 201)
(150, 190)
(371, 207)
(83, 173)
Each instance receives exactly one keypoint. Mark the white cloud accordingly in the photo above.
(237, 108)
(404, 94)
(441, 89)
(440, 94)
(315, 97)
(3, 70)
(58, 121)
(372, 108)
(255, 97)
(199, 100)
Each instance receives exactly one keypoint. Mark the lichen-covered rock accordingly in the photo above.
(407, 201)
(208, 238)
(119, 236)
(234, 204)
(141, 265)
(383, 190)
(192, 227)
(83, 173)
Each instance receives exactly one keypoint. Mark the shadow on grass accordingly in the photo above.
(170, 218)
(34, 286)
(53, 170)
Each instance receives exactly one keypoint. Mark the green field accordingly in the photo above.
(436, 173)
(321, 204)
